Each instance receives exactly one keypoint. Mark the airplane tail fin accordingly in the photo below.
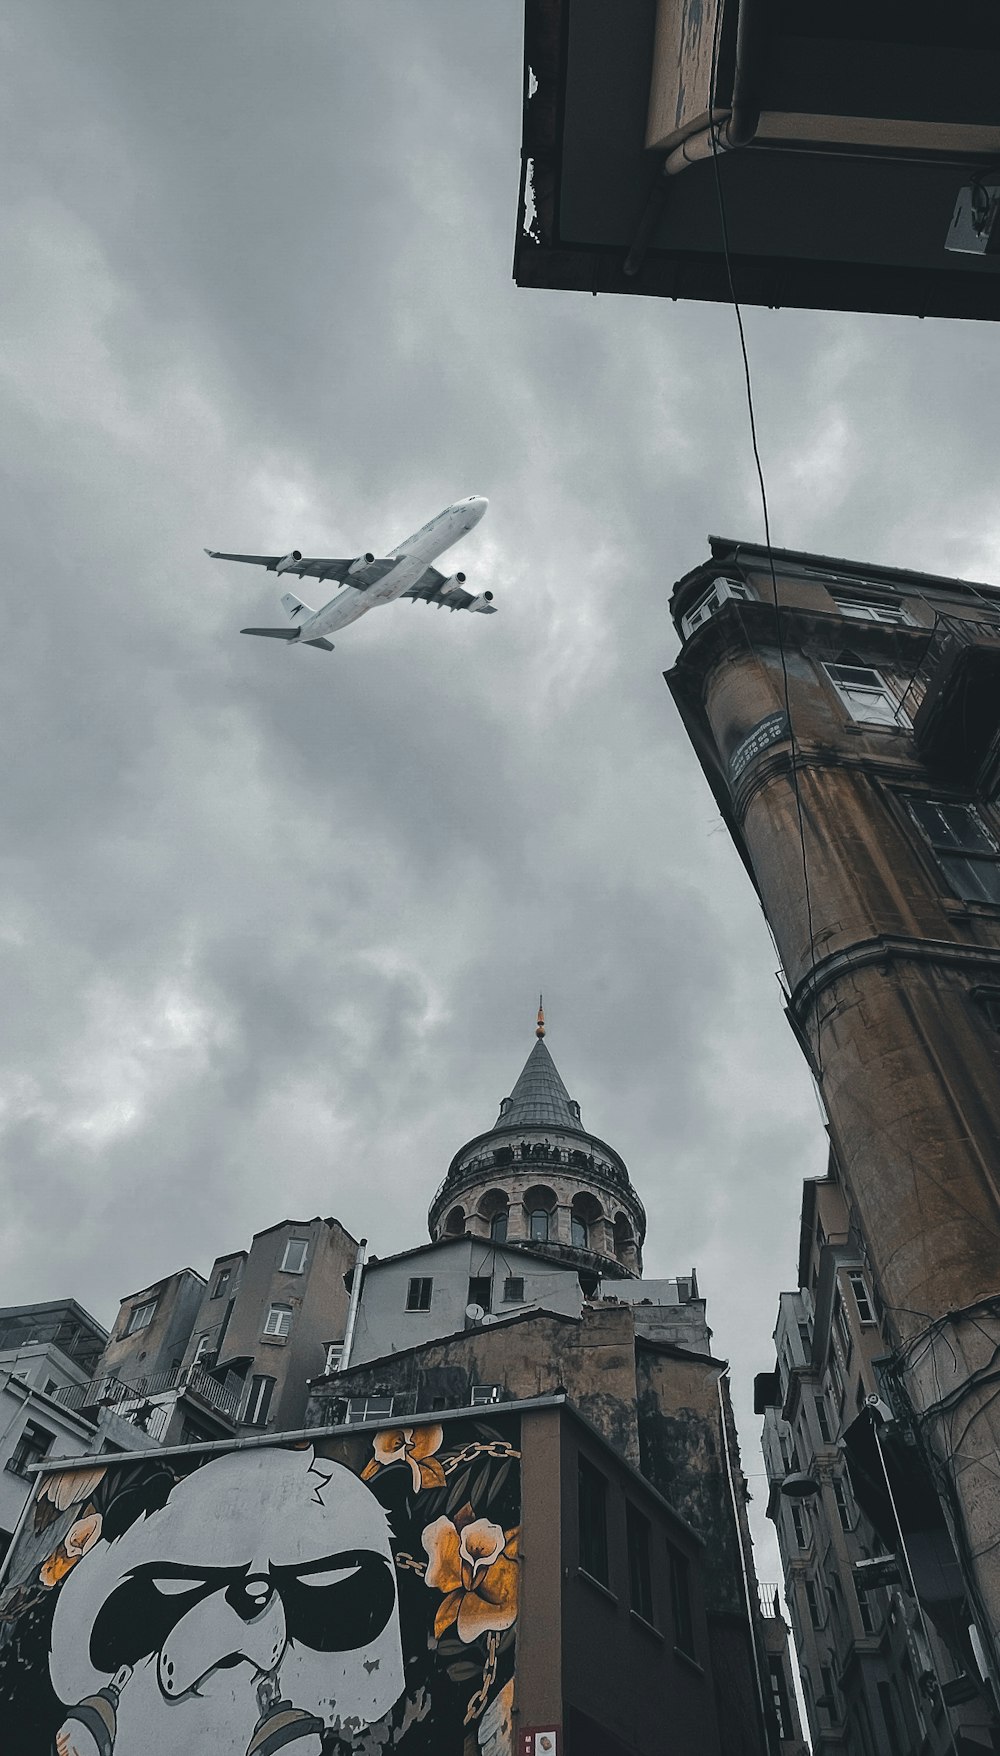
(294, 607)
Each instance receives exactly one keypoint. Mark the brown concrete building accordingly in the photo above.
(880, 1671)
(846, 718)
(842, 155)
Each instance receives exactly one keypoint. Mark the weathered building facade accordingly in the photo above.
(881, 1670)
(846, 718)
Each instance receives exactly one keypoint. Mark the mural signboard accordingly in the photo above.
(770, 731)
(355, 1593)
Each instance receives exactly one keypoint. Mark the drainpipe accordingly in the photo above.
(352, 1310)
(727, 129)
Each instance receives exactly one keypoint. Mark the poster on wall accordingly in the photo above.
(354, 1594)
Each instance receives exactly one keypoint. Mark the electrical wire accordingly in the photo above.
(793, 744)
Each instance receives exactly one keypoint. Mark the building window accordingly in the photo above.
(538, 1225)
(34, 1445)
(418, 1293)
(481, 1291)
(484, 1393)
(140, 1317)
(711, 601)
(498, 1227)
(798, 1525)
(334, 1355)
(823, 1420)
(513, 1290)
(866, 695)
(640, 1580)
(579, 1233)
(868, 610)
(680, 1600)
(779, 1696)
(896, 1742)
(203, 1346)
(861, 1299)
(221, 1287)
(813, 1603)
(278, 1320)
(368, 1408)
(965, 848)
(843, 1509)
(843, 1327)
(294, 1259)
(258, 1400)
(867, 1614)
(593, 1521)
(829, 1696)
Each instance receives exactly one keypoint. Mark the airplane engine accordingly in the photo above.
(484, 603)
(452, 584)
(288, 561)
(362, 561)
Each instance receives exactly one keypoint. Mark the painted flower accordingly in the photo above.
(413, 1445)
(474, 1562)
(80, 1537)
(70, 1487)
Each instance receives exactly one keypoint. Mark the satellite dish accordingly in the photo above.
(490, 1317)
(475, 1313)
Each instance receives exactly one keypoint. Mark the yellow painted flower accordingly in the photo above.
(413, 1445)
(80, 1537)
(474, 1562)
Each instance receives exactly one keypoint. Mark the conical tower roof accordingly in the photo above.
(540, 1098)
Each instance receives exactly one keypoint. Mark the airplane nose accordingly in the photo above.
(478, 504)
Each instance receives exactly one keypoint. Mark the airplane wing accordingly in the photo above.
(339, 570)
(428, 587)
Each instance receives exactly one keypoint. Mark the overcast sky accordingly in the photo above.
(274, 925)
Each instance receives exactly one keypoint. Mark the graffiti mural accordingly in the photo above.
(355, 1594)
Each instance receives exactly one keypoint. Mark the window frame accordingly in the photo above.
(638, 1542)
(864, 609)
(498, 1226)
(543, 1214)
(133, 1326)
(28, 1449)
(222, 1283)
(290, 1243)
(576, 1225)
(878, 691)
(948, 855)
(593, 1555)
(281, 1329)
(510, 1296)
(481, 1291)
(265, 1390)
(681, 1606)
(416, 1298)
(715, 596)
(862, 1299)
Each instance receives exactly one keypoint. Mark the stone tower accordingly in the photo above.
(538, 1177)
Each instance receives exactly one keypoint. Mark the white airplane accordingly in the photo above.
(404, 572)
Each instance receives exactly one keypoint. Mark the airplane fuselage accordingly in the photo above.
(411, 556)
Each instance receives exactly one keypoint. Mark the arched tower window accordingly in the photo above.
(624, 1238)
(492, 1210)
(539, 1213)
(454, 1225)
(585, 1214)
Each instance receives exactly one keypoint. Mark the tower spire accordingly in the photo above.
(540, 1026)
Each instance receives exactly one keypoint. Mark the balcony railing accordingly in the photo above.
(112, 1392)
